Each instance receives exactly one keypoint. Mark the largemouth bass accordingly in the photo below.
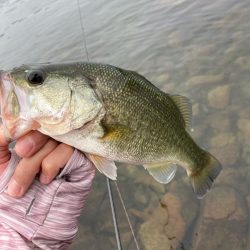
(109, 113)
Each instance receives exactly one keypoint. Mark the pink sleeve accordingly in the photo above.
(46, 217)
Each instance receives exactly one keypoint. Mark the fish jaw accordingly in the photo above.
(14, 124)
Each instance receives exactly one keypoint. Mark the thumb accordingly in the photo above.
(4, 151)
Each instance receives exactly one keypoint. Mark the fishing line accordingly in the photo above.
(83, 31)
(127, 216)
(117, 233)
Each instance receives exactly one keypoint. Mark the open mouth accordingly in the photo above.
(5, 81)
(8, 111)
(14, 124)
(5, 90)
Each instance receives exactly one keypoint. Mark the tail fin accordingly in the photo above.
(202, 181)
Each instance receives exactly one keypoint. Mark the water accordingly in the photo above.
(196, 48)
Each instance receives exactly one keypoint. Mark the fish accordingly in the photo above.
(109, 113)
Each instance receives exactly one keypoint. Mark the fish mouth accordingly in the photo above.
(6, 87)
(5, 80)
(14, 126)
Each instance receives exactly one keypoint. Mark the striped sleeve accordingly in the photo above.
(46, 216)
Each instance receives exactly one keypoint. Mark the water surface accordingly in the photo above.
(196, 48)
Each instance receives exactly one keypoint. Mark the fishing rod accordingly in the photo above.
(110, 193)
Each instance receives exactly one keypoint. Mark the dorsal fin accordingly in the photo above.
(185, 107)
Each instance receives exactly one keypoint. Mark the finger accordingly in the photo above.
(29, 144)
(27, 170)
(56, 160)
(4, 159)
(3, 141)
(4, 151)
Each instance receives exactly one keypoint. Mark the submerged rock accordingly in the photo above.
(175, 227)
(163, 79)
(226, 148)
(232, 176)
(203, 49)
(244, 112)
(222, 235)
(223, 139)
(219, 122)
(84, 238)
(248, 202)
(152, 232)
(246, 153)
(165, 227)
(228, 154)
(223, 203)
(219, 97)
(195, 109)
(175, 39)
(224, 222)
(201, 80)
(248, 241)
(244, 127)
(243, 62)
(147, 180)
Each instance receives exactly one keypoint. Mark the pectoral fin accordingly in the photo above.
(104, 165)
(114, 132)
(162, 172)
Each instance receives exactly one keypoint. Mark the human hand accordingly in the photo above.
(40, 154)
(38, 208)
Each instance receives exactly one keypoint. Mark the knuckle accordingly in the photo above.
(67, 149)
(52, 143)
(47, 166)
(37, 136)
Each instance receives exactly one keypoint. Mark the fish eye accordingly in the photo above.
(35, 77)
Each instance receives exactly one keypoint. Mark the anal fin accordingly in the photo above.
(104, 165)
(162, 172)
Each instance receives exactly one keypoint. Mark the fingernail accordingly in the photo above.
(15, 189)
(44, 179)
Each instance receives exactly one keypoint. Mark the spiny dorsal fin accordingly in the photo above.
(104, 165)
(185, 107)
(162, 172)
